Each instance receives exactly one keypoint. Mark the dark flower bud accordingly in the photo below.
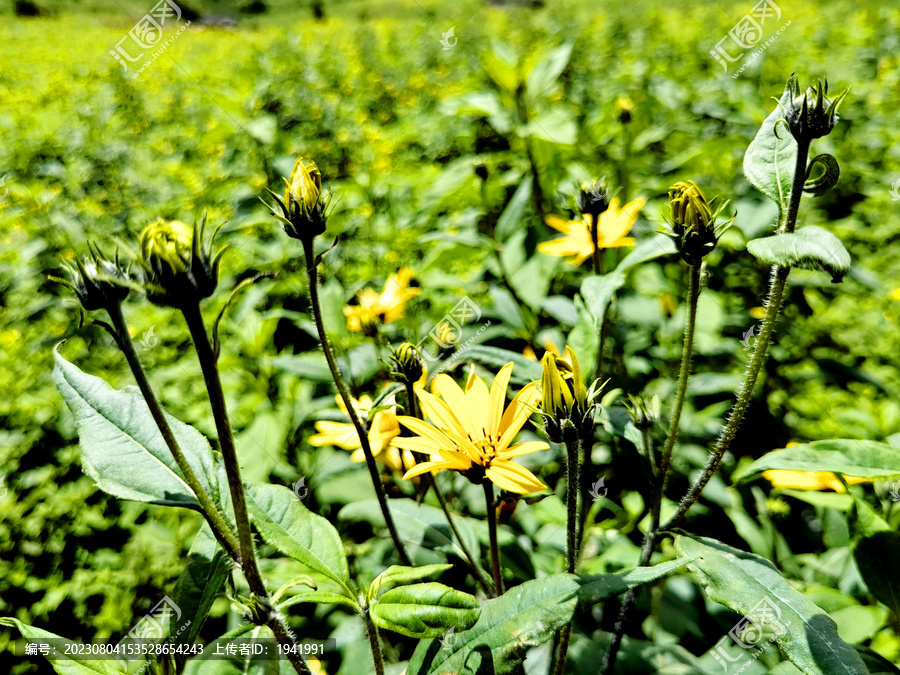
(593, 198)
(98, 282)
(179, 266)
(408, 367)
(812, 114)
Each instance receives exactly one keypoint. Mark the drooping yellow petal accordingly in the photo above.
(335, 433)
(514, 477)
(383, 430)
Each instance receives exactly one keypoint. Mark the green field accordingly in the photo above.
(445, 158)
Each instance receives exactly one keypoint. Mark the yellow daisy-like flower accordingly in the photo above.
(809, 480)
(469, 431)
(577, 243)
(382, 432)
(374, 308)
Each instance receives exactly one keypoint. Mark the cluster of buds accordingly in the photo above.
(178, 265)
(812, 114)
(407, 364)
(693, 222)
(98, 282)
(567, 405)
(303, 207)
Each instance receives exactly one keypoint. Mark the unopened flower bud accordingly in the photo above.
(566, 403)
(644, 410)
(693, 222)
(812, 114)
(593, 198)
(303, 208)
(98, 282)
(408, 366)
(624, 108)
(180, 267)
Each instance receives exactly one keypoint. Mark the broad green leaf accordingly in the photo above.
(513, 215)
(69, 666)
(424, 610)
(809, 248)
(866, 459)
(547, 70)
(423, 528)
(858, 623)
(771, 159)
(494, 358)
(523, 617)
(753, 587)
(122, 449)
(878, 560)
(400, 574)
(599, 290)
(285, 523)
(199, 585)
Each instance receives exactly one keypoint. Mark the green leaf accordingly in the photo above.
(200, 583)
(122, 449)
(319, 598)
(878, 560)
(753, 587)
(424, 610)
(849, 457)
(422, 528)
(771, 159)
(511, 219)
(599, 290)
(548, 70)
(285, 523)
(831, 172)
(69, 666)
(524, 616)
(810, 248)
(858, 623)
(400, 574)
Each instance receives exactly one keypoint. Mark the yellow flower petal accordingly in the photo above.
(517, 413)
(335, 433)
(522, 449)
(514, 477)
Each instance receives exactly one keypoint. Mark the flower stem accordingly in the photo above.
(573, 445)
(374, 641)
(208, 364)
(492, 534)
(220, 527)
(684, 373)
(348, 402)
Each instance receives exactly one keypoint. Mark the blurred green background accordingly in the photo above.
(397, 125)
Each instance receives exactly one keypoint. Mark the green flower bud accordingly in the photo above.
(644, 410)
(303, 208)
(179, 266)
(565, 402)
(693, 222)
(812, 114)
(98, 282)
(408, 367)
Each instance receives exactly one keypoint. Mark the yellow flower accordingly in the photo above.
(469, 431)
(894, 294)
(809, 480)
(374, 309)
(304, 187)
(382, 432)
(577, 243)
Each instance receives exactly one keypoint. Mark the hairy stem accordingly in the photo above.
(220, 527)
(572, 532)
(210, 368)
(374, 642)
(492, 534)
(348, 402)
(684, 373)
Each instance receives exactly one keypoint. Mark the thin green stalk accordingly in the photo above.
(348, 401)
(374, 642)
(684, 372)
(209, 366)
(432, 481)
(595, 238)
(220, 527)
(572, 478)
(492, 534)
